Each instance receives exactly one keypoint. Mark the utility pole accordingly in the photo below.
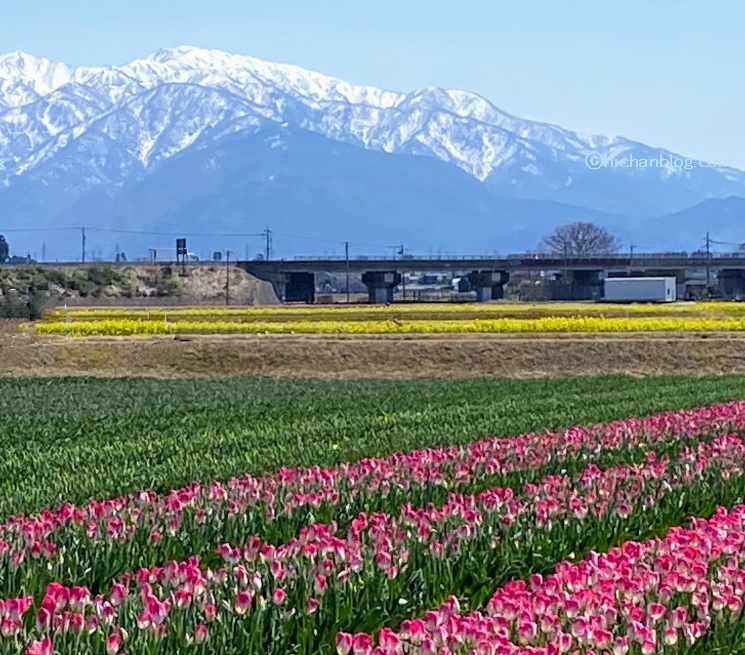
(227, 277)
(268, 235)
(708, 261)
(246, 252)
(43, 251)
(82, 230)
(403, 273)
(346, 257)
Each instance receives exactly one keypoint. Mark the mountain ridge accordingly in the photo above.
(214, 68)
(70, 133)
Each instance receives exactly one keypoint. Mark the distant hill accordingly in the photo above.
(724, 218)
(135, 284)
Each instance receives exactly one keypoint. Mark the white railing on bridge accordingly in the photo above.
(621, 257)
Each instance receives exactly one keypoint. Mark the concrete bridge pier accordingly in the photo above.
(584, 285)
(301, 287)
(380, 285)
(583, 278)
(293, 287)
(731, 282)
(489, 285)
(279, 283)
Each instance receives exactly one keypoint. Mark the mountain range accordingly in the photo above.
(202, 142)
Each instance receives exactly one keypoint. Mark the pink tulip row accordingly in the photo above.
(662, 595)
(243, 505)
(320, 575)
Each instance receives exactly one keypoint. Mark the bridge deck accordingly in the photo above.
(511, 263)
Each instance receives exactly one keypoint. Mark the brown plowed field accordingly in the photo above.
(386, 356)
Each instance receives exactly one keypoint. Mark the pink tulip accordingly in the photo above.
(9, 627)
(344, 643)
(77, 623)
(623, 510)
(362, 643)
(243, 602)
(671, 636)
(320, 584)
(40, 647)
(200, 633)
(428, 646)
(621, 646)
(113, 643)
(678, 617)
(527, 632)
(43, 619)
(656, 611)
(389, 640)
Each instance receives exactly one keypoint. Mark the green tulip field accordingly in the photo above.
(73, 439)
(448, 517)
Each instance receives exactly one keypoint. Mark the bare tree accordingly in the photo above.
(579, 240)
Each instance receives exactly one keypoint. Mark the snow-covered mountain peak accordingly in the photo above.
(24, 78)
(211, 67)
(136, 116)
(25, 62)
(167, 54)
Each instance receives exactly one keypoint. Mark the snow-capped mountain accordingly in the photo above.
(102, 130)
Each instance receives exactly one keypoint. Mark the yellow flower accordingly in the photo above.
(415, 319)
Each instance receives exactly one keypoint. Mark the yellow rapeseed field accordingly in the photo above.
(383, 311)
(134, 326)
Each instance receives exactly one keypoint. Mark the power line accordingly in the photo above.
(635, 248)
(177, 234)
(725, 243)
(307, 238)
(213, 235)
(39, 229)
(111, 230)
(334, 241)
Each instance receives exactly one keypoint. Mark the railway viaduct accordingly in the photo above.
(294, 279)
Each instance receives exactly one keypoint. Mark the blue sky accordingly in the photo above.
(666, 72)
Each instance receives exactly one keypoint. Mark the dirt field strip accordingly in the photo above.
(351, 357)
